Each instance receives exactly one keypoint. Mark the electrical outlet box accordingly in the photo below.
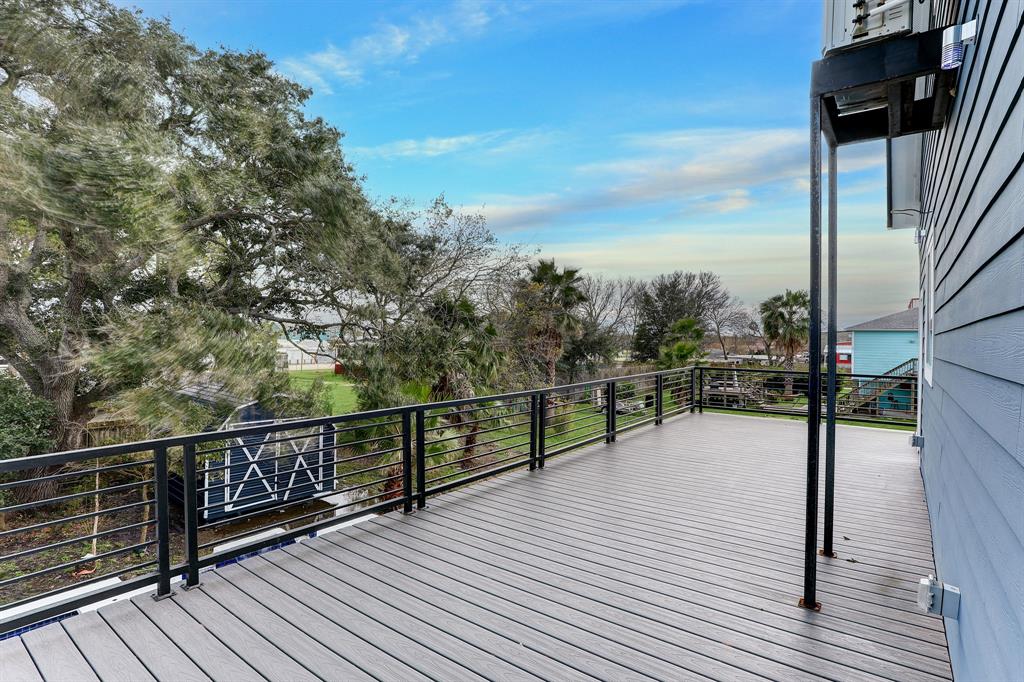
(937, 597)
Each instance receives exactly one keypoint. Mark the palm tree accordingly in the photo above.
(462, 348)
(552, 298)
(785, 319)
(684, 343)
(463, 352)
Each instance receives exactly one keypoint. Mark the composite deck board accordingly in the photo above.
(371, 660)
(597, 530)
(696, 584)
(16, 663)
(205, 650)
(575, 628)
(744, 590)
(705, 533)
(262, 654)
(69, 666)
(675, 553)
(703, 638)
(416, 645)
(661, 592)
(299, 638)
(157, 652)
(424, 598)
(650, 600)
(110, 659)
(459, 640)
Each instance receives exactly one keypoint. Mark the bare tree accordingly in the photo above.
(438, 251)
(750, 321)
(725, 316)
(610, 304)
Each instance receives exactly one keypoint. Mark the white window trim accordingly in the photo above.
(927, 324)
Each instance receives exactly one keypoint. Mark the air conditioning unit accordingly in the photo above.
(853, 22)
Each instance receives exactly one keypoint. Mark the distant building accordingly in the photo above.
(844, 355)
(298, 354)
(882, 344)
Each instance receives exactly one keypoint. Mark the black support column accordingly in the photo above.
(808, 600)
(830, 397)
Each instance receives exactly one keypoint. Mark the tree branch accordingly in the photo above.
(219, 215)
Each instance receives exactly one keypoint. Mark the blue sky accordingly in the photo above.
(627, 138)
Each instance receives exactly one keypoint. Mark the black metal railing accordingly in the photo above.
(86, 525)
(866, 398)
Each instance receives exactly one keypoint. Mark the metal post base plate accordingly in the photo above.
(816, 607)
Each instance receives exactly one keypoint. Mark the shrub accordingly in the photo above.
(25, 429)
(25, 420)
(625, 391)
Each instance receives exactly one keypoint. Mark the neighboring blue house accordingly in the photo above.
(884, 344)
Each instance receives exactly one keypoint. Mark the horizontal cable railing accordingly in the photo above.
(867, 398)
(81, 526)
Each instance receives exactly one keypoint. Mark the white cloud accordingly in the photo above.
(495, 142)
(514, 210)
(426, 147)
(390, 44)
(877, 272)
(726, 202)
(701, 170)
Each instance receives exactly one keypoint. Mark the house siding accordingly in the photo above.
(876, 352)
(972, 415)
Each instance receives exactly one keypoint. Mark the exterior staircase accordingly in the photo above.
(867, 395)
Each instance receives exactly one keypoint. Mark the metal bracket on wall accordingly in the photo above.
(885, 71)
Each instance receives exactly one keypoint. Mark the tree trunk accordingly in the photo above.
(788, 366)
(721, 342)
(552, 369)
(469, 452)
(67, 431)
(552, 350)
(69, 417)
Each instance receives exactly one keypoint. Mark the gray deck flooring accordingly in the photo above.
(672, 554)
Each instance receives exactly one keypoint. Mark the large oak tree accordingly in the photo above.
(160, 205)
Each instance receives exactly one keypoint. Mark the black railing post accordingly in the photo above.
(659, 407)
(163, 525)
(533, 432)
(613, 406)
(830, 396)
(700, 389)
(693, 390)
(407, 492)
(542, 427)
(191, 515)
(808, 600)
(421, 459)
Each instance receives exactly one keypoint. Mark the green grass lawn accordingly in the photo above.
(340, 390)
